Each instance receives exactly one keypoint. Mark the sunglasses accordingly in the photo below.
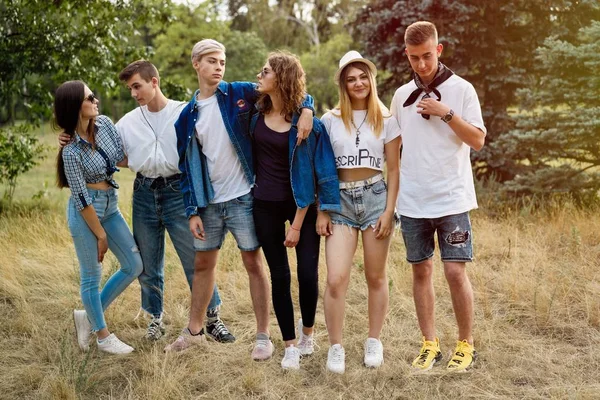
(91, 98)
(263, 73)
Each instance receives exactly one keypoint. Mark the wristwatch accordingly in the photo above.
(448, 117)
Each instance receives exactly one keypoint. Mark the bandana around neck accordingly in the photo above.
(442, 74)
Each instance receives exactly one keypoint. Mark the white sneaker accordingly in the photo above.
(83, 329)
(336, 359)
(373, 353)
(291, 358)
(306, 343)
(113, 345)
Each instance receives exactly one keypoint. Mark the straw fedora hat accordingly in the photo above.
(351, 57)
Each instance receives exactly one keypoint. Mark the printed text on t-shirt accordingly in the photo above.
(363, 159)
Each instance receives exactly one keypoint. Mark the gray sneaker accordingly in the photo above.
(185, 341)
(156, 329)
(83, 329)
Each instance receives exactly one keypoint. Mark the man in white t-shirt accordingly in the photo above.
(440, 121)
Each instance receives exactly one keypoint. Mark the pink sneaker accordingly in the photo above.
(263, 349)
(185, 341)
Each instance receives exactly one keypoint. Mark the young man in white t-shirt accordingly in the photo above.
(440, 121)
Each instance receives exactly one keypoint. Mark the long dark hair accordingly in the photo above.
(67, 102)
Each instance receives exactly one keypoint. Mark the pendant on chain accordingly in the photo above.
(357, 138)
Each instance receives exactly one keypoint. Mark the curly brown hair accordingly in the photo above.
(291, 83)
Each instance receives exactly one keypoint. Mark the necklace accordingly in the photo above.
(358, 129)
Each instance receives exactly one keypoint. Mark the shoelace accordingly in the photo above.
(262, 343)
(423, 356)
(337, 356)
(219, 328)
(153, 328)
(371, 347)
(305, 340)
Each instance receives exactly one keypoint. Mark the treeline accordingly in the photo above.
(534, 64)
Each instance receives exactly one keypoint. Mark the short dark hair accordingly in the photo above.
(146, 69)
(420, 32)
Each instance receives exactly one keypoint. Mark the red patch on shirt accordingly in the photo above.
(241, 103)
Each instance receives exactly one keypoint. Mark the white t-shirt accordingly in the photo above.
(436, 179)
(150, 141)
(370, 150)
(224, 167)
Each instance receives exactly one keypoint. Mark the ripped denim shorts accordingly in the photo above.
(362, 203)
(454, 237)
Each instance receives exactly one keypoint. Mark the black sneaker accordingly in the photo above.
(218, 332)
(156, 329)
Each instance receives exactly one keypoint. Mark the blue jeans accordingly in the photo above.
(158, 205)
(120, 242)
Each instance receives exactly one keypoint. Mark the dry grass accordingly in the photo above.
(536, 282)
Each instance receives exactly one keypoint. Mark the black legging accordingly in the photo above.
(269, 220)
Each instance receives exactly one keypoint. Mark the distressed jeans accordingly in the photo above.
(120, 242)
(158, 206)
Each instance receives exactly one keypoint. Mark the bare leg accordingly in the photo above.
(376, 252)
(339, 252)
(424, 297)
(259, 288)
(205, 264)
(461, 292)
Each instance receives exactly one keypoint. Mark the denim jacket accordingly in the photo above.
(235, 101)
(312, 166)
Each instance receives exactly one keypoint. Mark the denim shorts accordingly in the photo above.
(361, 206)
(454, 237)
(234, 216)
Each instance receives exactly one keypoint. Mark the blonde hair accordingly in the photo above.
(291, 83)
(206, 46)
(376, 110)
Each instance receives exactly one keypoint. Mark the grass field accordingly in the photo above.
(537, 326)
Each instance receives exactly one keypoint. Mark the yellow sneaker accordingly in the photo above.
(430, 354)
(463, 358)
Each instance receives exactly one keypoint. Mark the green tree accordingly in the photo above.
(246, 52)
(320, 69)
(19, 152)
(46, 42)
(299, 26)
(488, 43)
(556, 143)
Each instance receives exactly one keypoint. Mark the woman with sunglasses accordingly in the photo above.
(363, 135)
(289, 175)
(86, 166)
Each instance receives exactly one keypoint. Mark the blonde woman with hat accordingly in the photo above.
(363, 135)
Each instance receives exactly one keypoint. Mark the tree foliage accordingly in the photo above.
(556, 143)
(46, 42)
(491, 44)
(320, 68)
(300, 26)
(19, 152)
